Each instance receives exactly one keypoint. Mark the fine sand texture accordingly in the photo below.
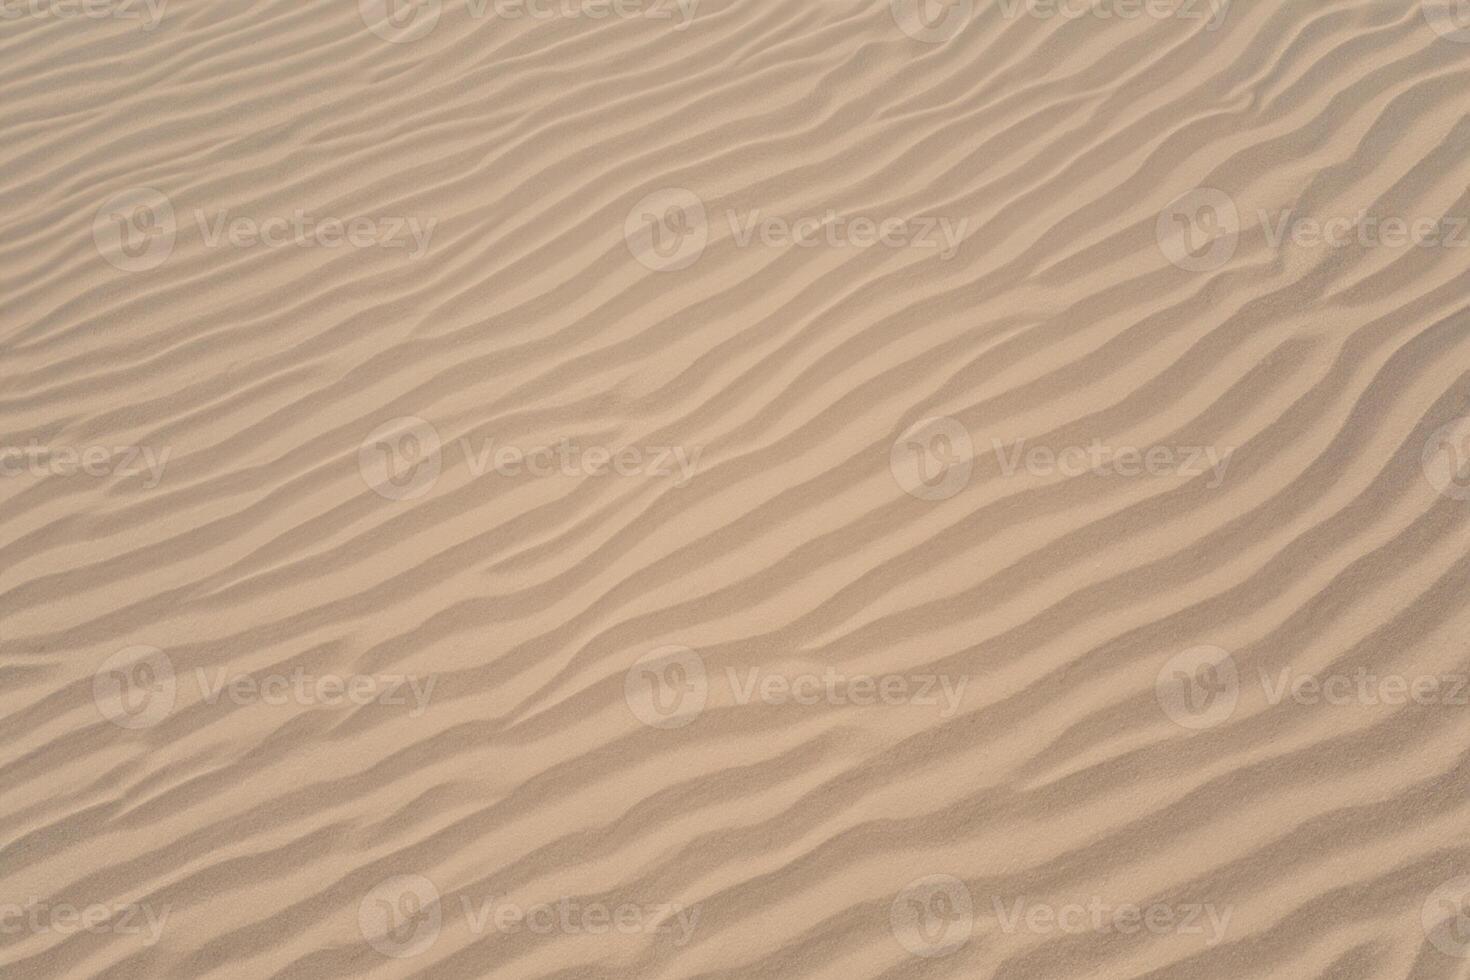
(663, 489)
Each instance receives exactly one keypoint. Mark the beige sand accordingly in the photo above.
(747, 488)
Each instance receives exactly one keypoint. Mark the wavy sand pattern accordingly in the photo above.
(735, 488)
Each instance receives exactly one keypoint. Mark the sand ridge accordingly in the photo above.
(734, 488)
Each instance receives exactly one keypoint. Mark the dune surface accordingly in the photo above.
(735, 488)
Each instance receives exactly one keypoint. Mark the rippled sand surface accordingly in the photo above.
(735, 489)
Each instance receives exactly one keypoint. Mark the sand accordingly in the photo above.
(746, 488)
